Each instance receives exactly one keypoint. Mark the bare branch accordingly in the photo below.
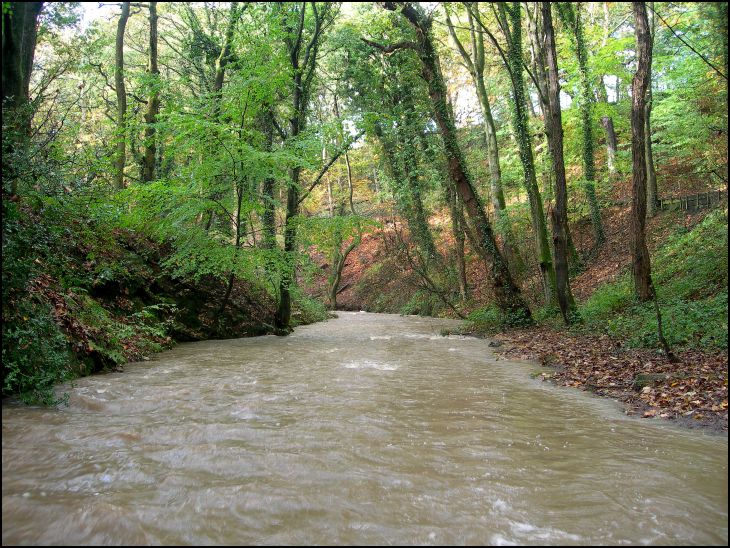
(391, 47)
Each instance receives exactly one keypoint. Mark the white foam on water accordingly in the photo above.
(369, 364)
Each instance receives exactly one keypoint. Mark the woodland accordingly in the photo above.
(553, 173)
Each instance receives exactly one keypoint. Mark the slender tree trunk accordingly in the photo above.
(153, 103)
(559, 216)
(652, 193)
(495, 177)
(457, 231)
(268, 219)
(303, 62)
(121, 159)
(571, 15)
(237, 244)
(641, 266)
(507, 294)
(340, 258)
(611, 144)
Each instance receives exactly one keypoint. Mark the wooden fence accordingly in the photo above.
(694, 202)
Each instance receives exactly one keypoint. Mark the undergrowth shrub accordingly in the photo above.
(691, 278)
(35, 354)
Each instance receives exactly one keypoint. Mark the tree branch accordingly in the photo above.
(391, 47)
(324, 170)
(717, 70)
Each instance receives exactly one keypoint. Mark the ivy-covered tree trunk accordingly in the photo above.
(652, 192)
(476, 64)
(303, 61)
(418, 223)
(403, 168)
(121, 157)
(507, 294)
(20, 21)
(571, 16)
(559, 216)
(153, 102)
(522, 134)
(268, 217)
(457, 231)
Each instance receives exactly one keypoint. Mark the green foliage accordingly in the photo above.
(35, 354)
(305, 309)
(690, 273)
(422, 303)
(485, 320)
(328, 233)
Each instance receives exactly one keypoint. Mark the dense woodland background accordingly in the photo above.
(183, 171)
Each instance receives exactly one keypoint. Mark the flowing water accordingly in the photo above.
(367, 429)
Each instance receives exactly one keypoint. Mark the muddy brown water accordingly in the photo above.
(366, 429)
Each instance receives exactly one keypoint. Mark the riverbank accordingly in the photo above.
(81, 296)
(692, 393)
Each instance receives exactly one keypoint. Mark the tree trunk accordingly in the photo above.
(340, 258)
(507, 294)
(403, 170)
(475, 62)
(223, 59)
(571, 16)
(521, 129)
(153, 103)
(559, 216)
(418, 223)
(303, 61)
(652, 193)
(268, 218)
(20, 22)
(121, 159)
(457, 230)
(611, 144)
(641, 266)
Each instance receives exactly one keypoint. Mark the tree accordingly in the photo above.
(507, 294)
(20, 22)
(121, 158)
(510, 22)
(302, 48)
(153, 102)
(571, 17)
(475, 64)
(559, 214)
(641, 267)
(652, 192)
